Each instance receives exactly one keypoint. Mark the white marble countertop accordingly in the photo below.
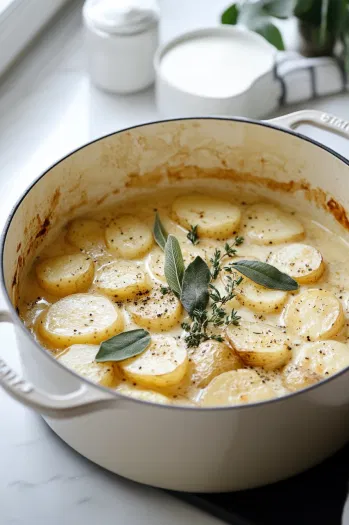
(47, 108)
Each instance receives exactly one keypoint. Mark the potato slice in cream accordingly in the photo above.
(315, 314)
(267, 224)
(163, 364)
(157, 311)
(315, 361)
(80, 318)
(128, 237)
(210, 359)
(215, 218)
(237, 387)
(85, 234)
(65, 274)
(260, 344)
(302, 262)
(122, 280)
(81, 359)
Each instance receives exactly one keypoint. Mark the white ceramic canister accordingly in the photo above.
(121, 40)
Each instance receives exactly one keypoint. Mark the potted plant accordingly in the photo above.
(323, 24)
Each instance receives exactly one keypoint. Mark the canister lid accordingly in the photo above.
(120, 16)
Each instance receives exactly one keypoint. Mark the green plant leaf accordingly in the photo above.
(345, 41)
(174, 265)
(337, 18)
(255, 17)
(302, 7)
(159, 232)
(271, 33)
(196, 278)
(251, 14)
(123, 346)
(230, 15)
(266, 275)
(279, 8)
(324, 19)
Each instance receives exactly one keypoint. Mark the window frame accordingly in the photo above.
(20, 22)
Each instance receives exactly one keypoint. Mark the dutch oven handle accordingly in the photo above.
(82, 401)
(316, 118)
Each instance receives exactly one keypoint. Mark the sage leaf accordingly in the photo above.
(159, 232)
(174, 265)
(266, 275)
(195, 286)
(123, 346)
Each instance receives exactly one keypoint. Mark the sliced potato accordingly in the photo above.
(315, 314)
(211, 359)
(157, 311)
(260, 344)
(156, 264)
(302, 262)
(267, 224)
(129, 237)
(85, 234)
(314, 362)
(324, 358)
(163, 364)
(173, 228)
(81, 359)
(215, 218)
(251, 294)
(144, 395)
(236, 387)
(65, 274)
(259, 298)
(297, 377)
(122, 280)
(80, 318)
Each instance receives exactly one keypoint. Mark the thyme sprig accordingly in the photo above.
(218, 256)
(192, 235)
(203, 301)
(197, 329)
(202, 320)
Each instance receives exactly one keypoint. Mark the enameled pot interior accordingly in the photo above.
(278, 164)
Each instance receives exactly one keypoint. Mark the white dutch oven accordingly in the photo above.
(181, 448)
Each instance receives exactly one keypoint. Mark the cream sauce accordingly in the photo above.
(34, 300)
